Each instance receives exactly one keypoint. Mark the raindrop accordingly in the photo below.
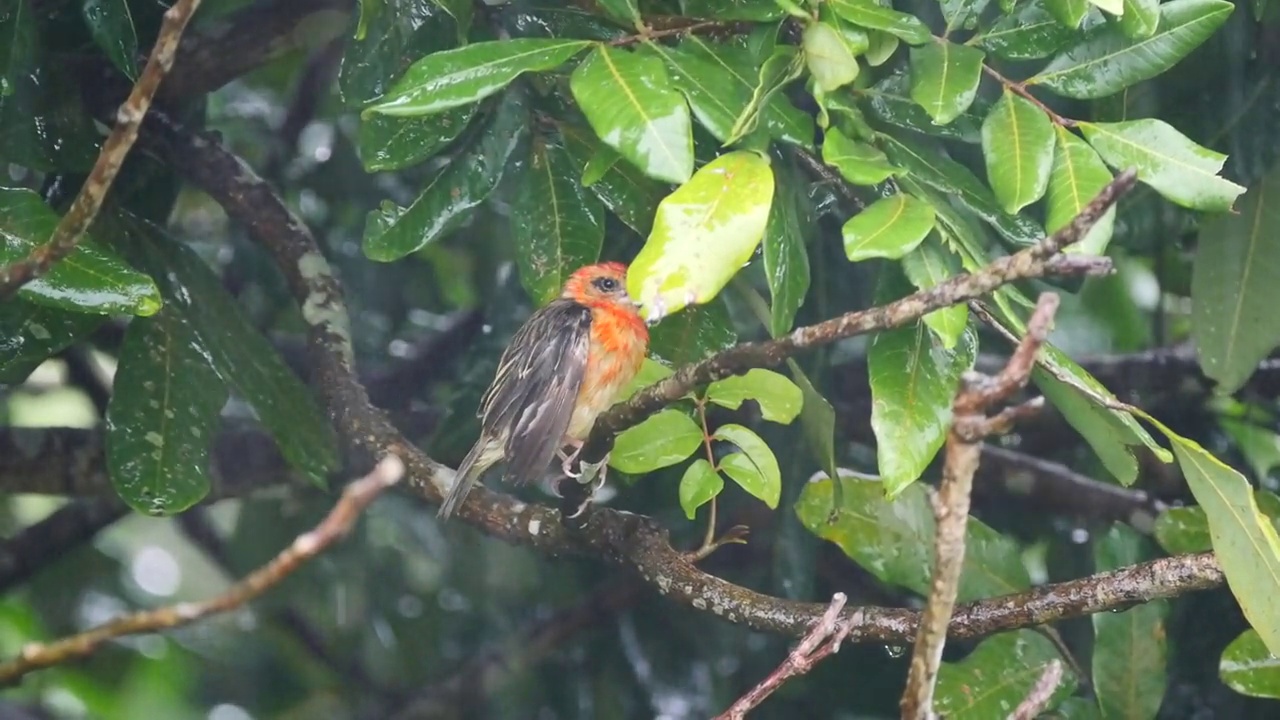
(156, 571)
(1079, 536)
(227, 711)
(895, 651)
(410, 606)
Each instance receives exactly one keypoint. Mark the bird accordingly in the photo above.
(566, 365)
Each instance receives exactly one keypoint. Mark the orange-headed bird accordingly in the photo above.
(564, 366)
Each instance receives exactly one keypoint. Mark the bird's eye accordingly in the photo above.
(605, 284)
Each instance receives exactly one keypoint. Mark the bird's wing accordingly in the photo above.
(536, 387)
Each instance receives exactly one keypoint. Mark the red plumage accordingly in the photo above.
(564, 366)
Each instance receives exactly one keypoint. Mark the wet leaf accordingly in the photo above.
(818, 419)
(891, 102)
(830, 61)
(240, 355)
(1070, 13)
(452, 195)
(780, 399)
(1017, 143)
(926, 266)
(874, 16)
(944, 78)
(857, 162)
(1030, 33)
(469, 74)
(1078, 176)
(31, 333)
(780, 68)
(1249, 668)
(703, 233)
(391, 143)
(621, 10)
(893, 539)
(1130, 648)
(1005, 667)
(888, 228)
(693, 334)
(390, 33)
(961, 13)
(111, 26)
(740, 76)
(758, 10)
(786, 259)
(461, 11)
(1108, 61)
(700, 484)
(556, 223)
(630, 102)
(1115, 7)
(662, 440)
(1165, 159)
(627, 192)
(913, 383)
(1182, 530)
(1234, 293)
(91, 279)
(881, 48)
(162, 416)
(951, 178)
(1140, 18)
(755, 469)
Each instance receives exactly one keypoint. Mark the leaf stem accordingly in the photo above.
(1020, 88)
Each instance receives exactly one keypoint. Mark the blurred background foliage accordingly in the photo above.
(411, 618)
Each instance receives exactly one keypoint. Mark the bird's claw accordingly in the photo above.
(566, 462)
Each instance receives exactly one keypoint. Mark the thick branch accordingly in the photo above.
(355, 498)
(42, 543)
(128, 120)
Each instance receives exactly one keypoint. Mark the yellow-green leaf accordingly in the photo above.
(662, 440)
(944, 78)
(755, 469)
(1017, 143)
(925, 267)
(1078, 176)
(889, 228)
(780, 399)
(859, 163)
(699, 485)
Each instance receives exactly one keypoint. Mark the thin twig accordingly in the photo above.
(823, 640)
(969, 426)
(128, 119)
(1040, 693)
(1019, 88)
(355, 498)
(705, 27)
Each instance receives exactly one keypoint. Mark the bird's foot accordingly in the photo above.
(566, 461)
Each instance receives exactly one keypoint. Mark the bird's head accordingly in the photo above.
(600, 284)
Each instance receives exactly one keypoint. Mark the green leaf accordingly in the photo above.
(1165, 159)
(780, 68)
(389, 33)
(890, 101)
(755, 469)
(1108, 61)
(1017, 143)
(703, 233)
(91, 279)
(1234, 293)
(627, 192)
(1078, 176)
(1182, 530)
(818, 419)
(1140, 18)
(740, 75)
(874, 16)
(786, 259)
(241, 356)
(700, 484)
(111, 25)
(953, 179)
(1249, 668)
(859, 163)
(1070, 13)
(556, 223)
(780, 399)
(888, 228)
(31, 333)
(162, 416)
(453, 194)
(1005, 667)
(662, 440)
(1130, 648)
(629, 101)
(913, 383)
(390, 143)
(893, 539)
(961, 13)
(621, 10)
(651, 371)
(1030, 33)
(828, 57)
(944, 78)
(689, 336)
(758, 10)
(1259, 445)
(926, 266)
(1115, 7)
(461, 11)
(1075, 708)
(466, 75)
(1244, 540)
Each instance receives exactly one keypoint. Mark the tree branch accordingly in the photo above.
(46, 541)
(969, 426)
(88, 201)
(1040, 693)
(355, 498)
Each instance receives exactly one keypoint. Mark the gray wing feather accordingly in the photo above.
(531, 399)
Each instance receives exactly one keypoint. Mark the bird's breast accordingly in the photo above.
(615, 354)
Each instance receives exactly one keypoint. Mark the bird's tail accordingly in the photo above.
(481, 457)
